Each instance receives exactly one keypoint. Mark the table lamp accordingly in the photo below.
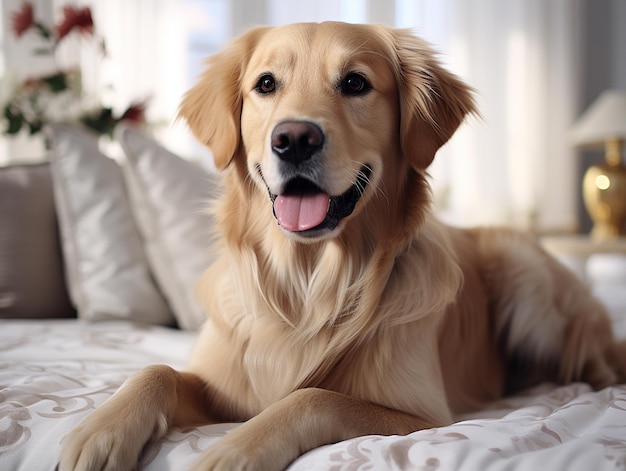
(603, 124)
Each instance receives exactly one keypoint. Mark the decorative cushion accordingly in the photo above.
(169, 196)
(31, 268)
(108, 275)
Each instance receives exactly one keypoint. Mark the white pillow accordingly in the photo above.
(169, 196)
(106, 267)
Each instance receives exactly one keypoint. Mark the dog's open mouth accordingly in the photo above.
(304, 207)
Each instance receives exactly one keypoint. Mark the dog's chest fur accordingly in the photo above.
(336, 321)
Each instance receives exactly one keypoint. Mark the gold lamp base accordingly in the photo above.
(604, 194)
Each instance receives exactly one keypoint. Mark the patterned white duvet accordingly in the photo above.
(53, 373)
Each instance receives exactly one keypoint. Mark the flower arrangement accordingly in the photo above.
(58, 96)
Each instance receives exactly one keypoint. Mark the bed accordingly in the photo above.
(55, 372)
(108, 293)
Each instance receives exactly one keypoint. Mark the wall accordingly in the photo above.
(603, 66)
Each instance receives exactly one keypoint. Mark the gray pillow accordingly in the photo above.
(31, 267)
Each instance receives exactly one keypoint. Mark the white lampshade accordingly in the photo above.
(604, 120)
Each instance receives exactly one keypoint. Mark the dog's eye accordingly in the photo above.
(355, 84)
(266, 84)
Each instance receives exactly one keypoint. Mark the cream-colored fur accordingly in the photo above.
(383, 322)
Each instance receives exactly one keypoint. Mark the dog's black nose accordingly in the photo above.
(297, 141)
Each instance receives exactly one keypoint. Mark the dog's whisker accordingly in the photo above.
(364, 181)
(249, 182)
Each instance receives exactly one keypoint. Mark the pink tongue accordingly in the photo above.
(301, 212)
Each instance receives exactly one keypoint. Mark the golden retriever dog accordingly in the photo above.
(338, 306)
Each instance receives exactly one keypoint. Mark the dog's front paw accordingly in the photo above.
(223, 460)
(223, 457)
(110, 439)
(113, 436)
(91, 448)
(240, 451)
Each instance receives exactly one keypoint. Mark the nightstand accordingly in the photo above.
(602, 264)
(583, 245)
(576, 250)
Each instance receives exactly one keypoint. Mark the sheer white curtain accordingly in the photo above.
(514, 165)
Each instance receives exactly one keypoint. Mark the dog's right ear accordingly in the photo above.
(212, 108)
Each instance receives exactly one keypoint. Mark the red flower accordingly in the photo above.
(22, 20)
(136, 113)
(79, 18)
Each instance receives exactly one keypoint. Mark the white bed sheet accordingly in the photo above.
(53, 373)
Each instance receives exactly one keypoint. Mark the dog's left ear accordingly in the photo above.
(433, 102)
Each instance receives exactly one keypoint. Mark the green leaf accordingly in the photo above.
(42, 30)
(56, 82)
(43, 51)
(14, 120)
(35, 127)
(102, 122)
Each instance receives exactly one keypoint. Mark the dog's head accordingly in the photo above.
(325, 117)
